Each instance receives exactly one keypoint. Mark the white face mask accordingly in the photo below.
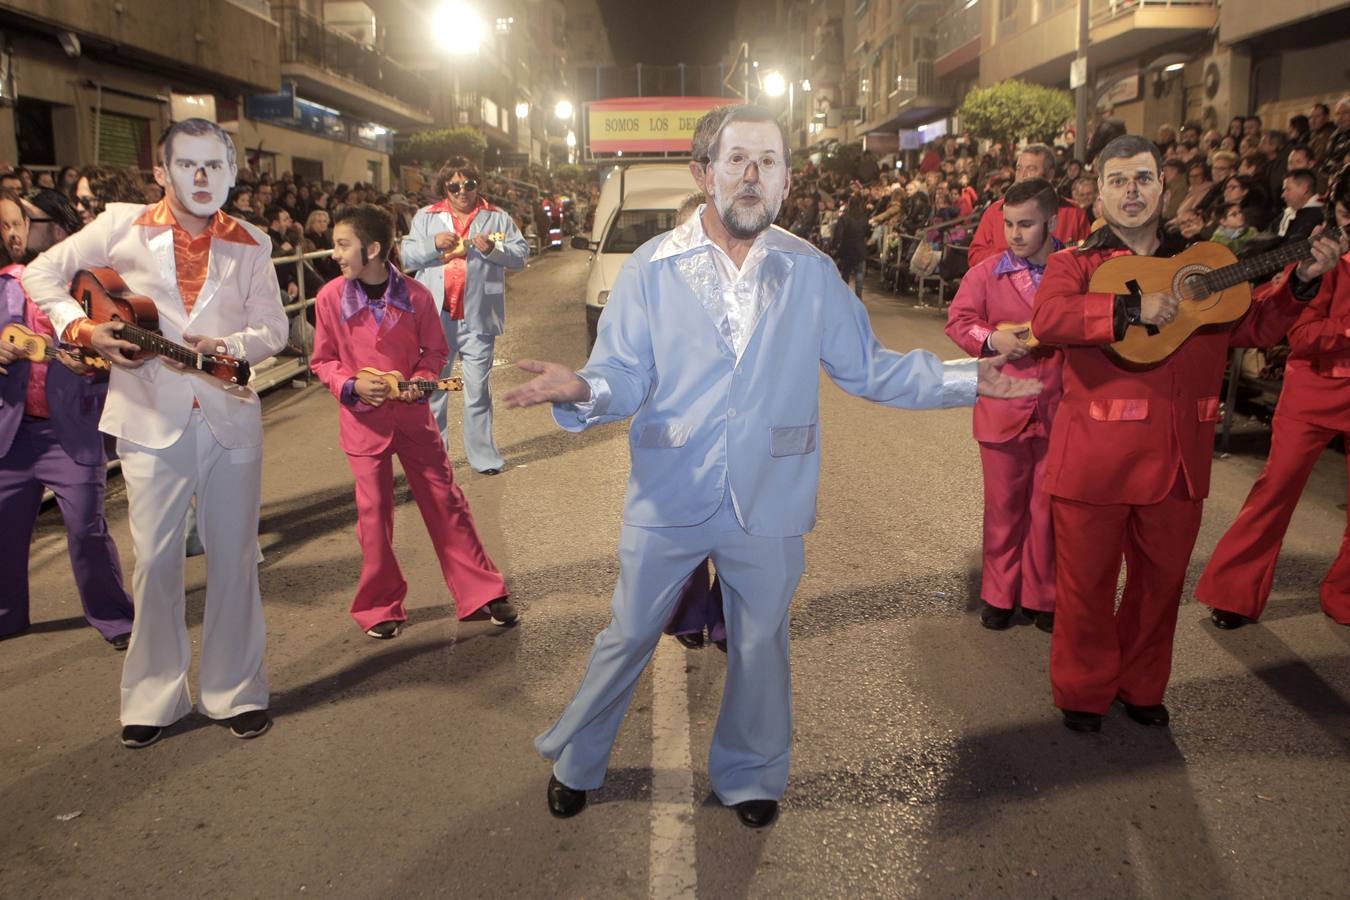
(199, 175)
(748, 205)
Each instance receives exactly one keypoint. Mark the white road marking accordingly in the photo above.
(673, 849)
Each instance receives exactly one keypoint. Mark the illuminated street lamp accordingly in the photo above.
(775, 85)
(522, 109)
(462, 23)
(571, 139)
(563, 110)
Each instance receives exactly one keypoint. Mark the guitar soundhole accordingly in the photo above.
(1193, 286)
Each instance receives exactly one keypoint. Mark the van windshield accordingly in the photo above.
(634, 227)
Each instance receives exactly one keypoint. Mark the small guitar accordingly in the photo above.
(1212, 288)
(36, 349)
(397, 384)
(105, 298)
(1029, 339)
(462, 248)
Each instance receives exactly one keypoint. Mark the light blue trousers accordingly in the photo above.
(475, 353)
(751, 745)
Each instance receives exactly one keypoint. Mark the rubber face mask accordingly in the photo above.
(1131, 190)
(200, 174)
(749, 179)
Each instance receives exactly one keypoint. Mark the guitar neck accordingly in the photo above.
(421, 384)
(157, 343)
(1264, 263)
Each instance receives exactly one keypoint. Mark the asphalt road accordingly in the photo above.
(928, 759)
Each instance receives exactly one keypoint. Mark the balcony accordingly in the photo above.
(1125, 28)
(334, 69)
(958, 39)
(922, 95)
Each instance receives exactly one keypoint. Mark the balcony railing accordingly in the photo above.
(958, 27)
(918, 80)
(1103, 11)
(305, 39)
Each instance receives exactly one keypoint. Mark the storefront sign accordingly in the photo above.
(645, 124)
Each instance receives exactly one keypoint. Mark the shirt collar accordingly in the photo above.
(1011, 262)
(220, 226)
(691, 236)
(443, 206)
(397, 295)
(1105, 238)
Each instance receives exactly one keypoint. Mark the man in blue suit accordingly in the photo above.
(712, 342)
(461, 249)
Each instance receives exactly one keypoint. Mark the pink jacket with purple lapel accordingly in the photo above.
(1002, 289)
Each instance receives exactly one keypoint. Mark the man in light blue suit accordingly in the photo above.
(461, 249)
(712, 341)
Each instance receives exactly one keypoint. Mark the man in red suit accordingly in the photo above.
(1014, 434)
(374, 316)
(1314, 407)
(1071, 222)
(1130, 453)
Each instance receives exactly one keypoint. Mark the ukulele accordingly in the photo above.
(462, 248)
(1029, 339)
(36, 349)
(397, 384)
(1212, 286)
(105, 298)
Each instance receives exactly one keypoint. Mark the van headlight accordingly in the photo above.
(602, 298)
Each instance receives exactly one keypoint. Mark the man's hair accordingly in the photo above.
(13, 197)
(1038, 190)
(1326, 110)
(689, 207)
(114, 185)
(1224, 156)
(1043, 151)
(1124, 147)
(1173, 162)
(195, 128)
(705, 130)
(1305, 177)
(455, 165)
(371, 225)
(1277, 138)
(1229, 207)
(1256, 119)
(748, 113)
(1256, 160)
(273, 212)
(12, 174)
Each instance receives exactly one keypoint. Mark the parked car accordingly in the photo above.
(636, 204)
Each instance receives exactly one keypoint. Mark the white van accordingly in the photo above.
(637, 203)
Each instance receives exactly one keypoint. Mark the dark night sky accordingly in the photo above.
(665, 32)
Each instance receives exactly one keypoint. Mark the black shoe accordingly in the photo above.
(1156, 715)
(489, 471)
(563, 801)
(251, 724)
(757, 813)
(502, 613)
(1042, 619)
(120, 642)
(138, 736)
(1087, 722)
(691, 641)
(993, 617)
(1226, 620)
(385, 631)
(721, 645)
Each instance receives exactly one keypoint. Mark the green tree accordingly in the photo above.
(570, 172)
(1012, 110)
(435, 146)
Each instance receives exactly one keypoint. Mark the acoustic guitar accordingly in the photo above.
(36, 349)
(1212, 288)
(397, 384)
(106, 298)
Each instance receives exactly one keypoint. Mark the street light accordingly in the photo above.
(522, 110)
(563, 110)
(463, 24)
(775, 85)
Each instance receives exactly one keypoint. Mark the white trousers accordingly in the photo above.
(160, 485)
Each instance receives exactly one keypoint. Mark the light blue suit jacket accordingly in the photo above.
(704, 419)
(485, 291)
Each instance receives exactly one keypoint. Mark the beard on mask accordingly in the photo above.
(744, 222)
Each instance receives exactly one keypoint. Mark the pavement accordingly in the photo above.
(928, 758)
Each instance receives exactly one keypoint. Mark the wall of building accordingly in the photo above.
(341, 162)
(1303, 80)
(1243, 19)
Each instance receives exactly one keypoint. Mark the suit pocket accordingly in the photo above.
(792, 441)
(493, 287)
(1207, 409)
(662, 437)
(1119, 410)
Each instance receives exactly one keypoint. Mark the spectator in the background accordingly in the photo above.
(1167, 139)
(1071, 223)
(1233, 231)
(1174, 187)
(1338, 145)
(98, 186)
(1251, 127)
(1299, 132)
(1197, 188)
(1302, 210)
(65, 181)
(1085, 193)
(1251, 195)
(1235, 129)
(1273, 147)
(45, 181)
(850, 242)
(1320, 129)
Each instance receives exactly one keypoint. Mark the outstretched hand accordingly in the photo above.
(555, 383)
(993, 383)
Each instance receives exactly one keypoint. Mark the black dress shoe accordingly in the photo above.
(251, 724)
(489, 471)
(502, 612)
(385, 631)
(1086, 722)
(563, 801)
(994, 617)
(1226, 620)
(1042, 619)
(1155, 715)
(138, 736)
(721, 645)
(120, 642)
(691, 641)
(757, 813)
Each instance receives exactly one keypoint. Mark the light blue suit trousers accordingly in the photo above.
(475, 354)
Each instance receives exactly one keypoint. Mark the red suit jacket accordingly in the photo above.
(1120, 434)
(347, 339)
(1071, 226)
(988, 298)
(1317, 375)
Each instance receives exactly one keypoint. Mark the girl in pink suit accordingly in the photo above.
(1019, 551)
(375, 317)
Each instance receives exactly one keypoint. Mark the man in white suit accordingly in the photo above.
(713, 341)
(181, 432)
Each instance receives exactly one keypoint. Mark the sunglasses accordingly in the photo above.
(454, 187)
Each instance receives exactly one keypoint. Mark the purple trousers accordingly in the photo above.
(699, 607)
(36, 458)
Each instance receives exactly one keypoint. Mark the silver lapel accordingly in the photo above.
(700, 274)
(161, 249)
(773, 274)
(214, 264)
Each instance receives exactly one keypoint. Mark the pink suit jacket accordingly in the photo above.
(347, 338)
(985, 300)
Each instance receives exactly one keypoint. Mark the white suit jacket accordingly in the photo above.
(704, 418)
(240, 302)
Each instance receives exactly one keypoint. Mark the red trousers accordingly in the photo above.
(1239, 574)
(1099, 651)
(472, 578)
(1019, 539)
